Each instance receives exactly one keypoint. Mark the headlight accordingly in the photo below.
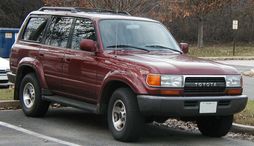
(233, 81)
(164, 80)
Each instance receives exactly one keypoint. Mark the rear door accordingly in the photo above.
(52, 53)
(80, 66)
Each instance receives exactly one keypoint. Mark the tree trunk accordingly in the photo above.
(200, 33)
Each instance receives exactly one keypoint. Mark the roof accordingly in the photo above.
(90, 13)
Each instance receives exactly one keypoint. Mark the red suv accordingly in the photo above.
(128, 68)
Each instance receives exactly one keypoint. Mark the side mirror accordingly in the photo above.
(184, 47)
(88, 45)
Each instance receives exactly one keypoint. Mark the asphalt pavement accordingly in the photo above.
(11, 137)
(68, 126)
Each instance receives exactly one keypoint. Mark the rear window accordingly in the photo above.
(35, 29)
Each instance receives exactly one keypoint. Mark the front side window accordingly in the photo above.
(84, 29)
(59, 30)
(35, 28)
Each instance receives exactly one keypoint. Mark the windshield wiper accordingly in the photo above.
(163, 47)
(127, 46)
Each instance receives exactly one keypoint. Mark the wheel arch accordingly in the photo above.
(108, 90)
(26, 67)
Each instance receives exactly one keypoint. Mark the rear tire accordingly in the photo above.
(124, 119)
(215, 126)
(30, 97)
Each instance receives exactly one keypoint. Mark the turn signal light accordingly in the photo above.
(234, 91)
(171, 92)
(153, 80)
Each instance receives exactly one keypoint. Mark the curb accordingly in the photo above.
(239, 128)
(9, 104)
(229, 58)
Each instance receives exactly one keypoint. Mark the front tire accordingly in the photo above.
(30, 97)
(215, 126)
(124, 119)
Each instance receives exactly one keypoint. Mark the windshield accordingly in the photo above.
(132, 34)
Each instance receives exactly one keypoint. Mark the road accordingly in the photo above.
(74, 127)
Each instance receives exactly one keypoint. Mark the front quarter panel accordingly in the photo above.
(129, 78)
(114, 70)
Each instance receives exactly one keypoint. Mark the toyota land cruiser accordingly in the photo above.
(129, 68)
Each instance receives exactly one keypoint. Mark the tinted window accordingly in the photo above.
(83, 30)
(35, 28)
(59, 31)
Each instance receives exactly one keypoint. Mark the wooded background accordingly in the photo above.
(199, 22)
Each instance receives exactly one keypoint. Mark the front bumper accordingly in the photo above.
(189, 106)
(5, 85)
(11, 77)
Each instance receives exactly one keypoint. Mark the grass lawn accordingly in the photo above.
(246, 117)
(221, 50)
(6, 94)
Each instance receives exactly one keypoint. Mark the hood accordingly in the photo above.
(169, 63)
(4, 64)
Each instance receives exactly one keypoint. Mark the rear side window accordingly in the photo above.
(84, 29)
(35, 29)
(58, 31)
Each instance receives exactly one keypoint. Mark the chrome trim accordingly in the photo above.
(222, 97)
(186, 76)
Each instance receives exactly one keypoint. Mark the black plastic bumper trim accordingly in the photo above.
(181, 107)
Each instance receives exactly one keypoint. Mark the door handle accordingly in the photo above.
(41, 54)
(67, 59)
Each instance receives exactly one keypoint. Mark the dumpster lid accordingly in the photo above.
(9, 29)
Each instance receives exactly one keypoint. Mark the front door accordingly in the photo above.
(80, 66)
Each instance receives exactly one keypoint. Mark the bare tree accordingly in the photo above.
(198, 8)
(65, 3)
(135, 7)
(13, 12)
(188, 20)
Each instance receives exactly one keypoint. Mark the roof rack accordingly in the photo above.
(73, 10)
(102, 11)
(78, 9)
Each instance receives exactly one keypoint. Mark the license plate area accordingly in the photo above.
(208, 107)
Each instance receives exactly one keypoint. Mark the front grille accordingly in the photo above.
(204, 85)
